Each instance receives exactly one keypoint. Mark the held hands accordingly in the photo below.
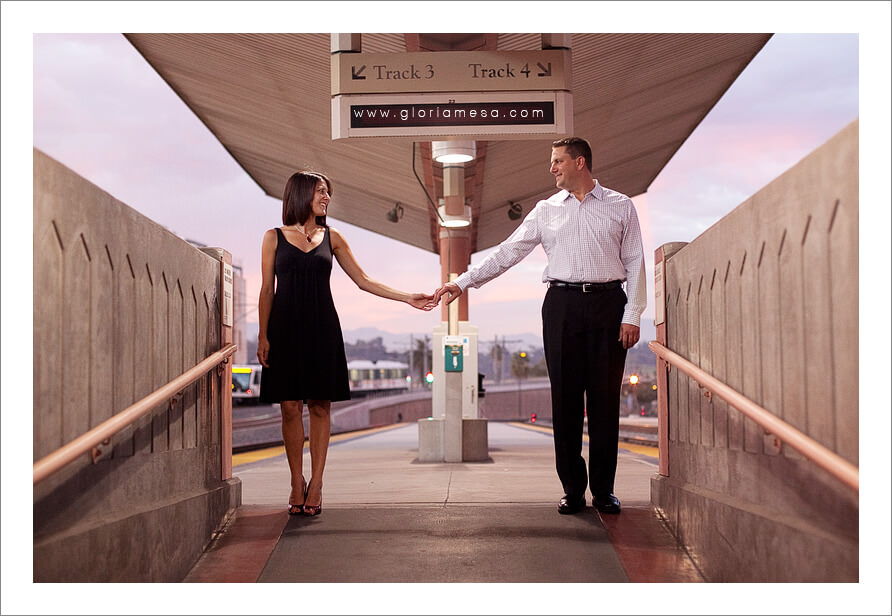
(422, 301)
(426, 301)
(450, 290)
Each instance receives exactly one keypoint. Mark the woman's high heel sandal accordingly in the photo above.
(299, 509)
(312, 510)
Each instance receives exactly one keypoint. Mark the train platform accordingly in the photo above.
(388, 518)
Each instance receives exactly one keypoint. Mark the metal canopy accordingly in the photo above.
(267, 98)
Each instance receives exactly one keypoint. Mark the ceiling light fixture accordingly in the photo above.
(454, 222)
(453, 151)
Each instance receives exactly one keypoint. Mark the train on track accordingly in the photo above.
(366, 378)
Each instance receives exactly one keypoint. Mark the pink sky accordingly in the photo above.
(100, 109)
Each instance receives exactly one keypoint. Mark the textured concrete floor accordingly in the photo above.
(389, 518)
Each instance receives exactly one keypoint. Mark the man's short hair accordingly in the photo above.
(576, 147)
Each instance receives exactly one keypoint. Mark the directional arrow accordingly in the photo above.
(357, 74)
(546, 72)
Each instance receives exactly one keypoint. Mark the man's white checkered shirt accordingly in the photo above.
(597, 240)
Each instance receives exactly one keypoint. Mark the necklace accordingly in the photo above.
(304, 231)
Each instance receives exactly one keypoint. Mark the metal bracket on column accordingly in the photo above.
(96, 452)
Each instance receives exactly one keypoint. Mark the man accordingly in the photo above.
(593, 243)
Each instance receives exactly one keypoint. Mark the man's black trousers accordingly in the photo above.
(585, 362)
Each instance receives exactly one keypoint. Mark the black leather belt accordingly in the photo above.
(586, 287)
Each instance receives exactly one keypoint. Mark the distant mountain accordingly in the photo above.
(400, 342)
(534, 341)
(397, 342)
(393, 342)
(514, 342)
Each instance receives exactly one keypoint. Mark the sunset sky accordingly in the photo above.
(74, 88)
(100, 109)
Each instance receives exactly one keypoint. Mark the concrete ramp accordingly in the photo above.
(475, 543)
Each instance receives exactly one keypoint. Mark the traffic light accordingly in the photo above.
(429, 377)
(533, 418)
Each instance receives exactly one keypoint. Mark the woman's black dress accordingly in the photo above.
(306, 347)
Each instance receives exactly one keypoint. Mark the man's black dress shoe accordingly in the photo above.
(569, 504)
(606, 504)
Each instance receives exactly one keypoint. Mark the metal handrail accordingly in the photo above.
(830, 461)
(85, 443)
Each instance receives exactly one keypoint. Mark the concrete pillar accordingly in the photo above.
(455, 255)
(660, 256)
(224, 372)
(455, 243)
(475, 440)
(447, 390)
(453, 259)
(453, 436)
(454, 433)
(430, 439)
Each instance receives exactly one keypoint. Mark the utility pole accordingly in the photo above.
(424, 353)
(412, 360)
(497, 353)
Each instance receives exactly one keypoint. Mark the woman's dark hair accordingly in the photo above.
(576, 147)
(297, 204)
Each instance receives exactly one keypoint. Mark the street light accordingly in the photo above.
(521, 371)
(633, 381)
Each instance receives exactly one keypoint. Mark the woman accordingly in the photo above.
(299, 341)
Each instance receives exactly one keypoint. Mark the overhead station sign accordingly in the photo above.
(484, 114)
(488, 94)
(450, 71)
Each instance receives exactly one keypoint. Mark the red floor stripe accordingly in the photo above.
(646, 548)
(243, 548)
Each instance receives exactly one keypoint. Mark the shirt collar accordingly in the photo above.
(597, 192)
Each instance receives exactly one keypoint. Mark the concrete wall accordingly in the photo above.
(507, 402)
(500, 402)
(384, 410)
(766, 300)
(121, 307)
